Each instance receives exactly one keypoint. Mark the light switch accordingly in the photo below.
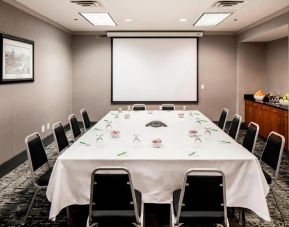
(202, 86)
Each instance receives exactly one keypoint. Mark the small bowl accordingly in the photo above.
(127, 116)
(115, 133)
(181, 115)
(259, 98)
(283, 102)
(157, 143)
(193, 133)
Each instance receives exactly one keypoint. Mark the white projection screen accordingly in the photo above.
(154, 70)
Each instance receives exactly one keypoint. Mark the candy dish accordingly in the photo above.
(193, 133)
(115, 133)
(157, 143)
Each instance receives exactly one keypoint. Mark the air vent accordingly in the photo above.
(227, 4)
(87, 3)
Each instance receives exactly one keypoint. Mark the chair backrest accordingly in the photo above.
(35, 152)
(223, 119)
(235, 126)
(273, 151)
(137, 107)
(60, 136)
(112, 190)
(85, 119)
(251, 136)
(168, 107)
(203, 190)
(74, 126)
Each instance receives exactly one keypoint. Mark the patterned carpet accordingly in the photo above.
(16, 190)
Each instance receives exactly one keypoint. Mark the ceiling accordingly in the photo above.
(160, 15)
(270, 35)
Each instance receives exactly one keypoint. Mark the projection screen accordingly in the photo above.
(154, 70)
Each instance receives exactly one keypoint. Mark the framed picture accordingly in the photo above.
(17, 59)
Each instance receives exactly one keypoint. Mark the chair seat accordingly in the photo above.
(120, 213)
(44, 179)
(267, 177)
(113, 213)
(202, 217)
(196, 216)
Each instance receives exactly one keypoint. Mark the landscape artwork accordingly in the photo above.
(17, 60)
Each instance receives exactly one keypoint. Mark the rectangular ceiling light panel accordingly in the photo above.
(99, 19)
(211, 19)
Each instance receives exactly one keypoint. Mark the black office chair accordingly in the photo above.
(168, 107)
(85, 119)
(223, 119)
(114, 197)
(60, 136)
(272, 156)
(74, 126)
(235, 126)
(137, 107)
(37, 158)
(251, 136)
(201, 200)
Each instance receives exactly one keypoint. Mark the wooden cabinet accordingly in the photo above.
(248, 112)
(268, 117)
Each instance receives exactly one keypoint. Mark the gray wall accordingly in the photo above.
(251, 71)
(92, 75)
(262, 66)
(26, 106)
(277, 66)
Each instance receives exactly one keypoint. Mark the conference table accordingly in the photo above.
(157, 172)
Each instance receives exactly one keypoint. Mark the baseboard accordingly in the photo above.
(20, 158)
(12, 163)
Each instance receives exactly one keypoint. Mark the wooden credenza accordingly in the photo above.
(269, 118)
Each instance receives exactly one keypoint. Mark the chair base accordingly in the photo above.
(278, 207)
(30, 206)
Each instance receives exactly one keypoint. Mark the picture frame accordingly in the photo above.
(16, 59)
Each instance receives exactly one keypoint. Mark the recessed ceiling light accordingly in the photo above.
(211, 19)
(183, 20)
(99, 19)
(128, 20)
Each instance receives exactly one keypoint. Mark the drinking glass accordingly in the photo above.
(207, 131)
(198, 139)
(99, 139)
(136, 138)
(108, 124)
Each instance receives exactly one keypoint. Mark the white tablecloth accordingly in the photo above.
(157, 172)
